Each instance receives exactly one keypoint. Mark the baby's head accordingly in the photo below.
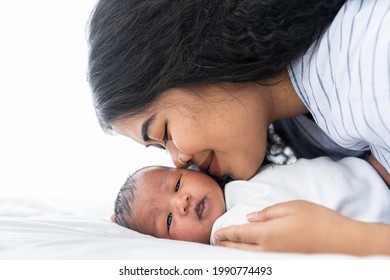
(170, 203)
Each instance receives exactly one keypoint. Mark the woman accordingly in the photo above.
(205, 79)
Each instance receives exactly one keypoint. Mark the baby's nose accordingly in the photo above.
(182, 202)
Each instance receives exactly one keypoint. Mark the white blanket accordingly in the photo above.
(38, 231)
(350, 186)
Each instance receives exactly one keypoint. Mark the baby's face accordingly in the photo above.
(178, 204)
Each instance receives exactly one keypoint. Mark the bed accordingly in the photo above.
(36, 230)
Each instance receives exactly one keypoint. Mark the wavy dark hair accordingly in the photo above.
(140, 48)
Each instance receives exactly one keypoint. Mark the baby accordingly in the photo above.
(188, 205)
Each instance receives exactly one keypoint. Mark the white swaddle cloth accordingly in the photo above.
(349, 186)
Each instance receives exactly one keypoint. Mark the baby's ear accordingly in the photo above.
(113, 218)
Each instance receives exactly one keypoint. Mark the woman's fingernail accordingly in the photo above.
(251, 216)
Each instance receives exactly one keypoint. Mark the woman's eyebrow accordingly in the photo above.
(145, 128)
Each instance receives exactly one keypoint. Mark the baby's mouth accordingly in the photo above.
(200, 208)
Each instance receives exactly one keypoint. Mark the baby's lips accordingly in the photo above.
(200, 208)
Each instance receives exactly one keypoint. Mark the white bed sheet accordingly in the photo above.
(35, 230)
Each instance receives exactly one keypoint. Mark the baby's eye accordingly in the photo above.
(169, 221)
(177, 187)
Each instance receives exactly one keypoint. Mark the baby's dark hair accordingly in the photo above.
(138, 49)
(125, 199)
(124, 203)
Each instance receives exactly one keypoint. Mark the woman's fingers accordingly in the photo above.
(239, 245)
(268, 229)
(246, 233)
(251, 232)
(289, 227)
(272, 212)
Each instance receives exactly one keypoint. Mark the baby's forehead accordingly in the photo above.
(149, 183)
(148, 171)
(150, 177)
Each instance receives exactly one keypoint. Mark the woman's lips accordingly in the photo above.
(210, 164)
(214, 167)
(206, 162)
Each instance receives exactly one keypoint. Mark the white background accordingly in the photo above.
(53, 150)
(51, 146)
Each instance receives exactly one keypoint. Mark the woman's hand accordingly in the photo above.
(305, 227)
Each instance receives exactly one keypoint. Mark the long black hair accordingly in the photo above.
(140, 48)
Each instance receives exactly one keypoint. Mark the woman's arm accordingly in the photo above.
(305, 227)
(379, 168)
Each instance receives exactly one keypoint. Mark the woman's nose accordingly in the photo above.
(181, 160)
(182, 203)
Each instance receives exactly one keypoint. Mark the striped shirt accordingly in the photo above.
(344, 78)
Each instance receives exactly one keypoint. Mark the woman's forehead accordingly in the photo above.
(182, 100)
(192, 95)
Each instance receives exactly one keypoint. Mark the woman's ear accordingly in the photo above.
(113, 218)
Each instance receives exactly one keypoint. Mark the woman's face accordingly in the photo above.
(220, 128)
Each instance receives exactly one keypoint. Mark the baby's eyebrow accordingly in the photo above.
(145, 128)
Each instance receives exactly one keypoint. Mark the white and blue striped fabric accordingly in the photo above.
(344, 78)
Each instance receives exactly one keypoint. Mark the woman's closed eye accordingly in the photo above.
(165, 137)
(164, 140)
